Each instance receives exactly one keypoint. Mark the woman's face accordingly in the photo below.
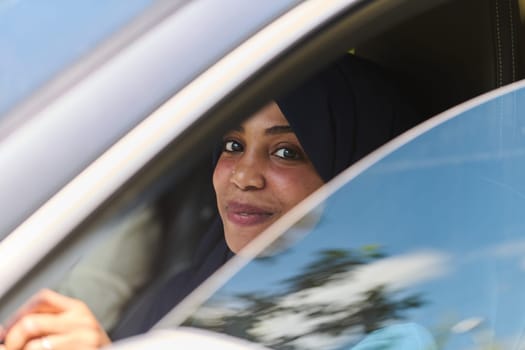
(261, 174)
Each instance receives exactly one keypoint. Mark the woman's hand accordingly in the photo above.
(51, 321)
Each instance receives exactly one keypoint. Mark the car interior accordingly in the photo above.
(453, 52)
(440, 53)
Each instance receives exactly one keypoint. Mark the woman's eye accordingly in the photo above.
(232, 146)
(287, 153)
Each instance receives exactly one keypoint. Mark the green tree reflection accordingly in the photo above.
(250, 315)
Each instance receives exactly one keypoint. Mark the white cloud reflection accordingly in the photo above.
(509, 249)
(514, 249)
(395, 272)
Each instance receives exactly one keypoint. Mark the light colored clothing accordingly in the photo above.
(109, 277)
(405, 336)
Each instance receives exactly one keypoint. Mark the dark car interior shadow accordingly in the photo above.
(453, 52)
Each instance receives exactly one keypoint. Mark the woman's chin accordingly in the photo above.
(239, 238)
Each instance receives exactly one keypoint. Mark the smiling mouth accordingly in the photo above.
(247, 215)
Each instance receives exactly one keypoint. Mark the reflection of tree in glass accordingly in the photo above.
(329, 265)
(307, 315)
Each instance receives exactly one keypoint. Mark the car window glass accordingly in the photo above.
(422, 250)
(140, 243)
(40, 38)
(169, 228)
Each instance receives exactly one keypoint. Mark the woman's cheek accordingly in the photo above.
(295, 184)
(221, 173)
(288, 179)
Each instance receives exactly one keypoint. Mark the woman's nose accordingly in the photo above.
(248, 174)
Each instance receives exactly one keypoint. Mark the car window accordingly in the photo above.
(40, 38)
(424, 247)
(123, 260)
(177, 170)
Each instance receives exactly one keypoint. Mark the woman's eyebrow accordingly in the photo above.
(278, 129)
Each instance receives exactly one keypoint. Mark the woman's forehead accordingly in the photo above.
(269, 120)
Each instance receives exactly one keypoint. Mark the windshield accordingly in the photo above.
(39, 39)
(426, 247)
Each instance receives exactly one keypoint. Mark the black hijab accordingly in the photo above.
(339, 116)
(345, 112)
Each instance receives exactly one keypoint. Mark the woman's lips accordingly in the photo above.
(246, 214)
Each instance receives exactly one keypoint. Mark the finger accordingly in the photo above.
(39, 344)
(79, 340)
(45, 301)
(30, 327)
(34, 326)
